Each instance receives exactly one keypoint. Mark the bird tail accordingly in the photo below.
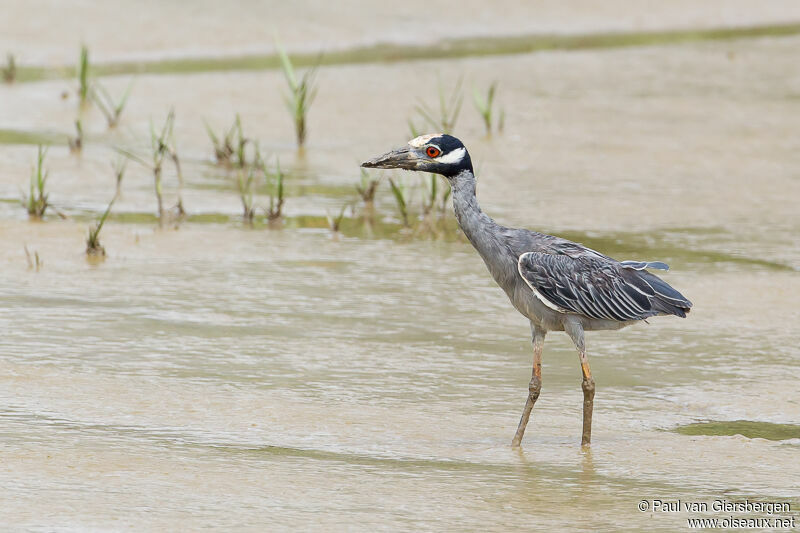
(666, 299)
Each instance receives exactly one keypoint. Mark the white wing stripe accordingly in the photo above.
(536, 293)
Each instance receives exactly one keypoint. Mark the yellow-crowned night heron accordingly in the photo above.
(557, 284)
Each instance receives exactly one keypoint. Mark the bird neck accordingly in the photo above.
(477, 226)
(489, 238)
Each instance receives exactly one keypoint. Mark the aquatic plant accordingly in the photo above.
(445, 197)
(158, 162)
(10, 69)
(246, 196)
(444, 118)
(83, 75)
(76, 143)
(400, 195)
(334, 223)
(485, 108)
(119, 166)
(232, 143)
(93, 246)
(162, 147)
(241, 143)
(275, 190)
(223, 148)
(258, 160)
(367, 187)
(34, 262)
(413, 129)
(301, 94)
(430, 203)
(36, 201)
(106, 104)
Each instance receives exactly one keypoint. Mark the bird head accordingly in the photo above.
(438, 153)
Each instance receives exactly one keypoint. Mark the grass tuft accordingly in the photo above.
(443, 119)
(110, 108)
(367, 187)
(301, 94)
(93, 246)
(335, 223)
(432, 195)
(76, 143)
(414, 129)
(246, 196)
(163, 147)
(400, 196)
(119, 166)
(223, 148)
(10, 69)
(34, 262)
(84, 88)
(231, 148)
(275, 190)
(36, 202)
(485, 107)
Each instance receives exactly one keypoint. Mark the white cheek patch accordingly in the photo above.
(422, 140)
(453, 157)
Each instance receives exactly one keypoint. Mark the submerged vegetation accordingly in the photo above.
(432, 201)
(36, 202)
(366, 189)
(93, 246)
(246, 196)
(76, 143)
(400, 193)
(230, 149)
(84, 89)
(335, 223)
(275, 190)
(34, 262)
(224, 148)
(273, 186)
(163, 147)
(10, 69)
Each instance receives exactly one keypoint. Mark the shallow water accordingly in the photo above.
(226, 377)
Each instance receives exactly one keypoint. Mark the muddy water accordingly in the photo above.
(218, 376)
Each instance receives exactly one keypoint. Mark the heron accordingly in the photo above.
(557, 284)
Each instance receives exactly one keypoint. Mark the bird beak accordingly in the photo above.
(401, 158)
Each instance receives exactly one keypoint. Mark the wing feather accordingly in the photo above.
(599, 287)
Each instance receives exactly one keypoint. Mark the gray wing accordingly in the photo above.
(599, 287)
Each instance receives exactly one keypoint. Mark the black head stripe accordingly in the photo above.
(446, 143)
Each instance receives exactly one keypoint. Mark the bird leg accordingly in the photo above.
(575, 331)
(588, 398)
(534, 387)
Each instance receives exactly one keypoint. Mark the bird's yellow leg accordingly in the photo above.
(534, 387)
(588, 398)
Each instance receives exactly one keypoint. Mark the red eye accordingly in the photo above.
(432, 151)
